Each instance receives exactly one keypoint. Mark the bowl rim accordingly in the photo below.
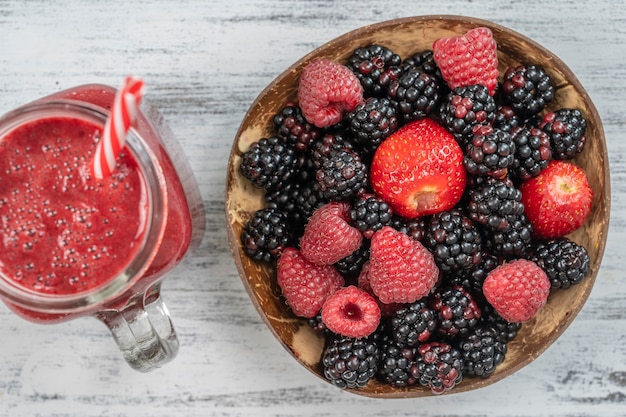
(359, 32)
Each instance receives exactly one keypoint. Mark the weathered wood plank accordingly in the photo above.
(204, 62)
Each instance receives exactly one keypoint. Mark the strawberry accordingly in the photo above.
(401, 269)
(468, 59)
(557, 201)
(419, 169)
(328, 237)
(327, 90)
(351, 311)
(305, 285)
(517, 290)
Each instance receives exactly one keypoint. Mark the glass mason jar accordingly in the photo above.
(167, 221)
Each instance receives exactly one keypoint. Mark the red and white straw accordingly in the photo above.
(123, 114)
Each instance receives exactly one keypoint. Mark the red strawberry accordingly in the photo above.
(352, 312)
(517, 290)
(326, 91)
(419, 169)
(328, 237)
(304, 285)
(557, 201)
(468, 59)
(401, 269)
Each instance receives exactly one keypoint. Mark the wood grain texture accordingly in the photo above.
(204, 63)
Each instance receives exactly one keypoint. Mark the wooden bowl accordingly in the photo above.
(406, 36)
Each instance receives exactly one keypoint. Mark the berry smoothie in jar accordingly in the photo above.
(74, 245)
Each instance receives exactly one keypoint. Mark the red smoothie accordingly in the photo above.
(62, 231)
(66, 235)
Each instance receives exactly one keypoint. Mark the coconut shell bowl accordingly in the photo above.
(406, 36)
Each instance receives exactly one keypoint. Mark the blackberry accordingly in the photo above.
(415, 95)
(286, 199)
(269, 163)
(512, 242)
(454, 240)
(413, 324)
(266, 235)
(490, 152)
(457, 312)
(397, 363)
(466, 107)
(342, 175)
(375, 66)
(506, 119)
(309, 198)
(566, 128)
(423, 61)
(415, 228)
(291, 125)
(505, 331)
(532, 153)
(371, 122)
(328, 143)
(495, 203)
(370, 213)
(481, 351)
(439, 366)
(319, 326)
(349, 362)
(351, 265)
(564, 261)
(527, 89)
(472, 279)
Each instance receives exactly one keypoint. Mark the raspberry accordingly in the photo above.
(468, 59)
(305, 285)
(327, 90)
(517, 290)
(363, 282)
(401, 269)
(327, 236)
(351, 312)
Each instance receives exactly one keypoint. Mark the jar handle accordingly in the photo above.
(143, 330)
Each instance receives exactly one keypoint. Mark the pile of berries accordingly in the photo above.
(417, 209)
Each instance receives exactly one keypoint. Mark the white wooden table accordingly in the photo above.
(204, 61)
